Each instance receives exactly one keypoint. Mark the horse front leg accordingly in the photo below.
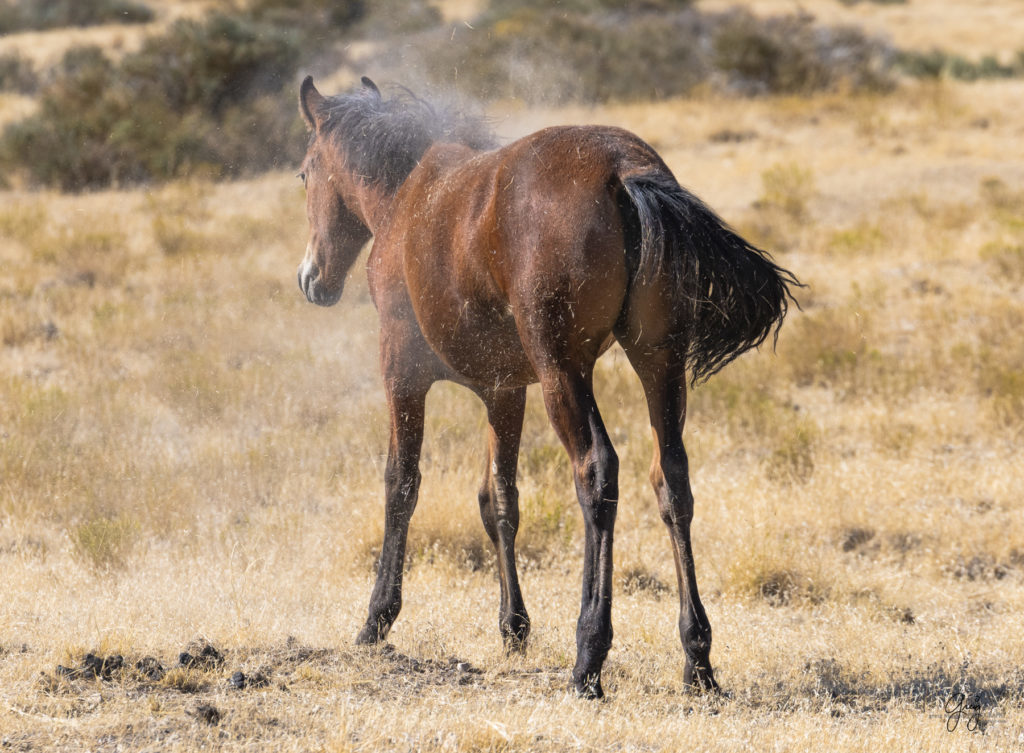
(569, 399)
(499, 507)
(401, 489)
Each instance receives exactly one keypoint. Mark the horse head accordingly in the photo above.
(337, 204)
(363, 147)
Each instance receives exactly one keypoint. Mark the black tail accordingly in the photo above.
(735, 295)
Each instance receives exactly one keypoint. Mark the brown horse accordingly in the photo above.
(499, 267)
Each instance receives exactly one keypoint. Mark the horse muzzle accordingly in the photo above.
(312, 285)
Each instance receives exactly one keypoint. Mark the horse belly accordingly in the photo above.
(481, 343)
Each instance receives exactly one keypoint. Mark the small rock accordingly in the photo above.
(92, 666)
(111, 664)
(240, 681)
(206, 658)
(150, 668)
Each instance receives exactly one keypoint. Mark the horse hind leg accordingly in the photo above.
(663, 375)
(570, 403)
(499, 508)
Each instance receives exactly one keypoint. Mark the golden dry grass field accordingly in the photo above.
(191, 454)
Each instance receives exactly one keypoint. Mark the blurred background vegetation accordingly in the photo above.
(211, 94)
(35, 15)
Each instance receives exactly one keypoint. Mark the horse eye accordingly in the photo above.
(302, 177)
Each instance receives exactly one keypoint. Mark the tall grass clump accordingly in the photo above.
(783, 208)
(742, 405)
(105, 543)
(176, 213)
(792, 456)
(828, 349)
(840, 349)
(1006, 259)
(789, 188)
(776, 572)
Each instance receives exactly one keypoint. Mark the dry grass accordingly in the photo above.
(190, 451)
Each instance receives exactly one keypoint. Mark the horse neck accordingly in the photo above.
(369, 202)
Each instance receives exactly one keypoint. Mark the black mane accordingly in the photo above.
(384, 139)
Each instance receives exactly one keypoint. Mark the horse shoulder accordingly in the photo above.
(448, 209)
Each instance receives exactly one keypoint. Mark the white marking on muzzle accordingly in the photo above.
(307, 272)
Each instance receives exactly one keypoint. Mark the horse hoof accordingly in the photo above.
(514, 645)
(514, 628)
(589, 688)
(513, 637)
(368, 636)
(700, 680)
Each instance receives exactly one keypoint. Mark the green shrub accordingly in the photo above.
(207, 97)
(613, 50)
(17, 74)
(757, 58)
(25, 15)
(788, 54)
(936, 63)
(212, 63)
(170, 109)
(545, 56)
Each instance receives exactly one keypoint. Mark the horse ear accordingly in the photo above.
(370, 85)
(309, 101)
